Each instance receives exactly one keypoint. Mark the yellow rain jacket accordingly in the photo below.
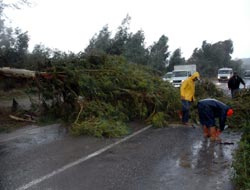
(188, 87)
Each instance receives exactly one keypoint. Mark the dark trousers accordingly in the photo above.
(234, 92)
(206, 115)
(185, 110)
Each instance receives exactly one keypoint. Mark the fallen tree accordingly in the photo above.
(17, 73)
(100, 94)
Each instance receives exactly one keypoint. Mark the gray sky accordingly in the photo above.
(68, 25)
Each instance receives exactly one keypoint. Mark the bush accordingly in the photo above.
(159, 120)
(241, 163)
(100, 128)
(240, 105)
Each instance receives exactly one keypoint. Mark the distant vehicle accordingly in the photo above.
(168, 77)
(247, 74)
(181, 72)
(224, 74)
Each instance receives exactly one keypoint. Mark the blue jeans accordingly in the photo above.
(185, 110)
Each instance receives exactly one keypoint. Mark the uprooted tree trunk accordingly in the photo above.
(24, 73)
(53, 87)
(17, 73)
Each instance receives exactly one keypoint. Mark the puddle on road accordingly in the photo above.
(28, 138)
(200, 165)
(205, 151)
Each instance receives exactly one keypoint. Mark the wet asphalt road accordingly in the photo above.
(174, 158)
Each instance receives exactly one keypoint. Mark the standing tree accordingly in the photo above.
(121, 37)
(13, 43)
(134, 49)
(210, 57)
(175, 59)
(158, 54)
(39, 58)
(100, 43)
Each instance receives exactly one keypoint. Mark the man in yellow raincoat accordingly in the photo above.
(187, 95)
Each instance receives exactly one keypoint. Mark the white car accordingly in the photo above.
(224, 74)
(168, 77)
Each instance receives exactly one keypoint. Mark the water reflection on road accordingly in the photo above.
(205, 165)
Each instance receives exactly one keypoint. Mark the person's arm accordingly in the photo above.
(242, 81)
(222, 123)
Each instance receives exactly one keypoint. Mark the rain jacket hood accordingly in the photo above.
(188, 87)
(195, 75)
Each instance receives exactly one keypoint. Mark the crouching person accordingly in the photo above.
(209, 110)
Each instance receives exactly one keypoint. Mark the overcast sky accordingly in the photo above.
(68, 25)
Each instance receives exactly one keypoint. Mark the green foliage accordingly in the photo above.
(13, 43)
(111, 89)
(120, 38)
(100, 128)
(207, 89)
(100, 43)
(241, 163)
(240, 105)
(236, 65)
(159, 120)
(210, 57)
(175, 59)
(134, 48)
(59, 92)
(38, 60)
(158, 54)
(131, 46)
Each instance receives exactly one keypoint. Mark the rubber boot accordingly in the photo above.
(218, 132)
(214, 135)
(206, 133)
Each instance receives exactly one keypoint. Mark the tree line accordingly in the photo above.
(209, 57)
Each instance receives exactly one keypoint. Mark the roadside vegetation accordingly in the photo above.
(241, 163)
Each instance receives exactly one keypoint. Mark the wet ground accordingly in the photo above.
(173, 158)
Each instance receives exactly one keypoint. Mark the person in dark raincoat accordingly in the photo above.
(234, 84)
(209, 110)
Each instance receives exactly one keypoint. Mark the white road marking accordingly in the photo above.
(83, 159)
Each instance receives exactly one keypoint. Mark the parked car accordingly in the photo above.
(168, 77)
(247, 74)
